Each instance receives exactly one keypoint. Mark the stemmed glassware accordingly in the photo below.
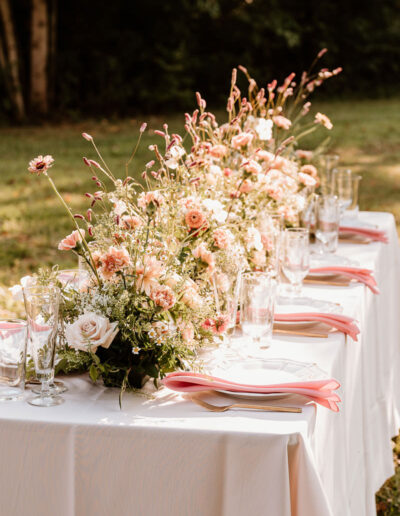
(257, 302)
(342, 187)
(270, 224)
(296, 257)
(327, 223)
(42, 309)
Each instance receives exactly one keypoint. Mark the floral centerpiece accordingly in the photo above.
(253, 161)
(149, 303)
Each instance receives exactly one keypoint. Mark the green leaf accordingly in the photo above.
(93, 373)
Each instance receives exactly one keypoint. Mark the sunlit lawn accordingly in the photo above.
(366, 134)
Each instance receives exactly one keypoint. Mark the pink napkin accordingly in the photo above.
(374, 234)
(7, 329)
(320, 391)
(361, 275)
(340, 322)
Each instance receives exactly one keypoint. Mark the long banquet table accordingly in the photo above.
(164, 455)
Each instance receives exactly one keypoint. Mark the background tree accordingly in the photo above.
(39, 57)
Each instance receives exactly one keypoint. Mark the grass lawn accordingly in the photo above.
(366, 134)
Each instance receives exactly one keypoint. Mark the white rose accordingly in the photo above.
(90, 331)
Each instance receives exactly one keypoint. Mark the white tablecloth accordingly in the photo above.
(167, 456)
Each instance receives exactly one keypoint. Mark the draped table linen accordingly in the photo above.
(162, 454)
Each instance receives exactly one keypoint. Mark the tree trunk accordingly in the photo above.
(39, 56)
(52, 69)
(12, 61)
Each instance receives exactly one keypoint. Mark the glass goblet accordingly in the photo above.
(328, 162)
(296, 257)
(42, 309)
(342, 187)
(257, 302)
(327, 223)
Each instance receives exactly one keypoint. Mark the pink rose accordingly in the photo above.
(90, 331)
(70, 241)
(241, 140)
(282, 122)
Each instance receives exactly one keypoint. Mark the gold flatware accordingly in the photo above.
(354, 241)
(224, 408)
(301, 333)
(326, 282)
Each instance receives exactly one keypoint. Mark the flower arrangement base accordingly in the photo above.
(136, 380)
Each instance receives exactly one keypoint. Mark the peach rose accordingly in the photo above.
(70, 241)
(241, 140)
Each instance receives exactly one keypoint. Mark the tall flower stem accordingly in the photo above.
(85, 244)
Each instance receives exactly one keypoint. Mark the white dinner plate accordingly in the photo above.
(268, 372)
(286, 305)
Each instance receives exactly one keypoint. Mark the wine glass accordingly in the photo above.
(257, 302)
(327, 223)
(13, 336)
(42, 306)
(342, 187)
(328, 163)
(296, 257)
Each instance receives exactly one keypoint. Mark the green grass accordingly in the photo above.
(366, 134)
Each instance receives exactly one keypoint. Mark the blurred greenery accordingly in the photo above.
(150, 56)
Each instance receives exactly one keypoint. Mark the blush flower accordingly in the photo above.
(41, 164)
(163, 296)
(90, 331)
(148, 273)
(218, 151)
(222, 238)
(323, 120)
(113, 261)
(146, 199)
(306, 179)
(131, 222)
(241, 140)
(282, 122)
(195, 219)
(202, 253)
(71, 241)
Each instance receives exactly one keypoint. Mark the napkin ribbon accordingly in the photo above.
(320, 391)
(340, 322)
(374, 234)
(361, 275)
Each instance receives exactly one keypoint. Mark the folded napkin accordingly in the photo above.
(360, 275)
(320, 391)
(8, 328)
(340, 322)
(374, 234)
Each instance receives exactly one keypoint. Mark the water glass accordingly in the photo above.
(296, 257)
(257, 302)
(342, 187)
(226, 285)
(327, 223)
(329, 162)
(42, 309)
(13, 337)
(270, 225)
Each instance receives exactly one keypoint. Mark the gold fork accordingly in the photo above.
(224, 408)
